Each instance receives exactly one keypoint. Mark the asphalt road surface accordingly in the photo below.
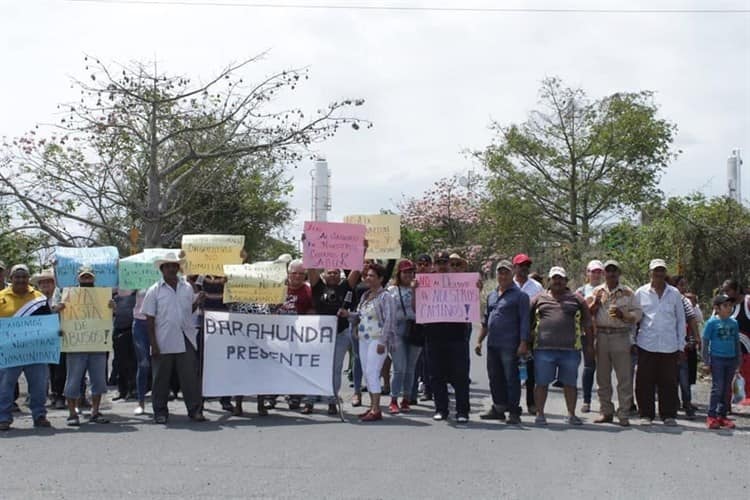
(288, 455)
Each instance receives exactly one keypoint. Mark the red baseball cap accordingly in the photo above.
(521, 258)
(405, 265)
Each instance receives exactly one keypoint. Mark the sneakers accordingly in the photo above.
(670, 422)
(492, 414)
(573, 420)
(540, 420)
(60, 404)
(393, 408)
(585, 407)
(372, 416)
(514, 419)
(139, 410)
(405, 408)
(426, 397)
(462, 419)
(713, 423)
(438, 417)
(725, 422)
(689, 413)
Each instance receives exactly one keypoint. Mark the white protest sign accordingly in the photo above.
(268, 354)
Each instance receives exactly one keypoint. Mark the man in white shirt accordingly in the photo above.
(168, 307)
(661, 342)
(532, 288)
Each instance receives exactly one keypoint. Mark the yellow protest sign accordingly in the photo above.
(86, 320)
(207, 254)
(383, 234)
(260, 282)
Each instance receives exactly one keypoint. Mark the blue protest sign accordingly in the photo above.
(103, 261)
(28, 340)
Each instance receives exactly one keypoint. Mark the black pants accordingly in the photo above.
(126, 363)
(530, 382)
(448, 364)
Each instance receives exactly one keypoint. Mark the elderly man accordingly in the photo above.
(20, 299)
(45, 283)
(555, 313)
(506, 321)
(2, 274)
(521, 269)
(615, 311)
(168, 307)
(661, 344)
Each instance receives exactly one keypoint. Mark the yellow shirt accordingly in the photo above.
(11, 302)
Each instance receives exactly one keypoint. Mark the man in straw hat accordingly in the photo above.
(45, 283)
(168, 307)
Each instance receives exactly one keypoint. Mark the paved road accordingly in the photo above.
(287, 455)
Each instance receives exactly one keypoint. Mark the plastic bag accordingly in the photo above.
(738, 388)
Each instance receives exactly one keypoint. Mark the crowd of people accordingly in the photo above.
(537, 332)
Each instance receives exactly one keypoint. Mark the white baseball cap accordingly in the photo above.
(656, 263)
(557, 271)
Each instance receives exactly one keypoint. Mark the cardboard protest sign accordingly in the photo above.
(102, 260)
(207, 254)
(259, 282)
(447, 298)
(137, 272)
(331, 245)
(86, 319)
(29, 340)
(268, 354)
(383, 234)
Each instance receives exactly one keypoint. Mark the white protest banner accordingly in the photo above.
(207, 254)
(333, 245)
(447, 298)
(268, 354)
(383, 234)
(137, 272)
(29, 340)
(86, 319)
(102, 260)
(260, 282)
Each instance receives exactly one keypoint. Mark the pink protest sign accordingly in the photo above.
(330, 245)
(447, 298)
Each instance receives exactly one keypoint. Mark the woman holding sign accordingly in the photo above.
(374, 324)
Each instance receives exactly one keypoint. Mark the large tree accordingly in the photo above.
(579, 161)
(163, 155)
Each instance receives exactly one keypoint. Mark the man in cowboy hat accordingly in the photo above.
(20, 299)
(168, 307)
(45, 282)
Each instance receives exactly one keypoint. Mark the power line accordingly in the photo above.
(405, 8)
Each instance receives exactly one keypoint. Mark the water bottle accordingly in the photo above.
(523, 372)
(347, 300)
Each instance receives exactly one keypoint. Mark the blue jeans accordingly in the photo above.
(404, 357)
(37, 376)
(722, 373)
(684, 378)
(564, 362)
(589, 370)
(142, 357)
(77, 364)
(505, 382)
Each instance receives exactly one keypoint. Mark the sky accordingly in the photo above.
(433, 81)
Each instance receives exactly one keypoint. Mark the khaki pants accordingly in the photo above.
(613, 351)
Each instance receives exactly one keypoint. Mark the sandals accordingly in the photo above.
(73, 421)
(98, 418)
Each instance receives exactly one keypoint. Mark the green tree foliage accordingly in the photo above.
(577, 161)
(167, 156)
(704, 239)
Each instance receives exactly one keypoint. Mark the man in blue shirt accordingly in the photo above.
(506, 321)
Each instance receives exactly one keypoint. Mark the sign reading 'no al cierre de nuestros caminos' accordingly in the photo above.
(268, 354)
(333, 245)
(383, 234)
(447, 298)
(28, 340)
(86, 320)
(260, 282)
(207, 254)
